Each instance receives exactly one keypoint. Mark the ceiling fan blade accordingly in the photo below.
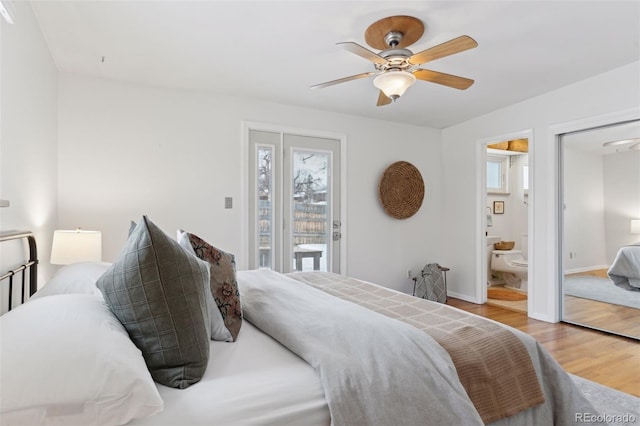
(342, 80)
(383, 99)
(362, 51)
(444, 79)
(457, 45)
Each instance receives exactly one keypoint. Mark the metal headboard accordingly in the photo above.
(31, 264)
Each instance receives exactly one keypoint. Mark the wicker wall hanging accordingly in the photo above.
(401, 190)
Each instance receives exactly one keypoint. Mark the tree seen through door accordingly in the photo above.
(309, 204)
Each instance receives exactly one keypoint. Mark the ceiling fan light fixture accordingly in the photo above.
(621, 142)
(7, 11)
(394, 83)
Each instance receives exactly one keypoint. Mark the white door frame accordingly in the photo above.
(246, 126)
(481, 209)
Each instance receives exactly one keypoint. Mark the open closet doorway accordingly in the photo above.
(504, 206)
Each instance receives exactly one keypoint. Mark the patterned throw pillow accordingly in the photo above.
(218, 328)
(157, 291)
(224, 286)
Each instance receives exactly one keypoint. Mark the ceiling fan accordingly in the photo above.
(397, 66)
(633, 143)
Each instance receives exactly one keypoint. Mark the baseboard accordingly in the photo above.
(586, 269)
(542, 317)
(462, 297)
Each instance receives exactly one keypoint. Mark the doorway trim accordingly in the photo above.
(247, 126)
(481, 211)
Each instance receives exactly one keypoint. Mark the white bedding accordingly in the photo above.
(625, 269)
(256, 380)
(252, 381)
(375, 370)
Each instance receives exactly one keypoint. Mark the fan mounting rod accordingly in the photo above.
(393, 38)
(392, 35)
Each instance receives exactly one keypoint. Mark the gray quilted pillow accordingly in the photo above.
(157, 291)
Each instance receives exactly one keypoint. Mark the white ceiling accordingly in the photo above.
(593, 140)
(276, 50)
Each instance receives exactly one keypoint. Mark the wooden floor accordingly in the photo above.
(617, 318)
(511, 305)
(607, 359)
(607, 316)
(600, 273)
(591, 313)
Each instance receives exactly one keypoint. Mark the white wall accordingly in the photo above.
(28, 123)
(513, 223)
(584, 213)
(127, 150)
(602, 195)
(616, 90)
(621, 198)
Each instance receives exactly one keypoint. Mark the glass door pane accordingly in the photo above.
(309, 203)
(265, 207)
(265, 211)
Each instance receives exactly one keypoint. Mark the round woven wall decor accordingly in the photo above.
(401, 190)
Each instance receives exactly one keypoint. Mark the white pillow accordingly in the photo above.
(77, 278)
(218, 330)
(67, 360)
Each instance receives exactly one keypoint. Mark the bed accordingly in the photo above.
(625, 269)
(313, 348)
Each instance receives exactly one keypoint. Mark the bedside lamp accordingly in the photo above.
(635, 226)
(76, 246)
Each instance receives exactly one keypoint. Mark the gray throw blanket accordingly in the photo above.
(430, 284)
(625, 269)
(479, 349)
(374, 370)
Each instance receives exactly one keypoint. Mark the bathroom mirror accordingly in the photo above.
(600, 199)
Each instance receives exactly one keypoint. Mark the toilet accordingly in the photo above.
(513, 261)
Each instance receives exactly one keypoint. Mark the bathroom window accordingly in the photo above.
(497, 174)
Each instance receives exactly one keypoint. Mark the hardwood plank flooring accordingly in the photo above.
(610, 360)
(592, 313)
(618, 319)
(600, 273)
(596, 314)
(512, 305)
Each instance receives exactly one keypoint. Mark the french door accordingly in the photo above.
(294, 202)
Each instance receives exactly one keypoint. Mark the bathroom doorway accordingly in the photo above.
(504, 163)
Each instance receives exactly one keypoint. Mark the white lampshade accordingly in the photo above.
(394, 83)
(76, 246)
(635, 226)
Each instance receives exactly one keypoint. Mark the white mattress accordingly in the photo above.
(254, 380)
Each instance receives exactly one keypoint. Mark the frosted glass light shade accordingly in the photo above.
(76, 246)
(7, 10)
(394, 83)
(635, 226)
